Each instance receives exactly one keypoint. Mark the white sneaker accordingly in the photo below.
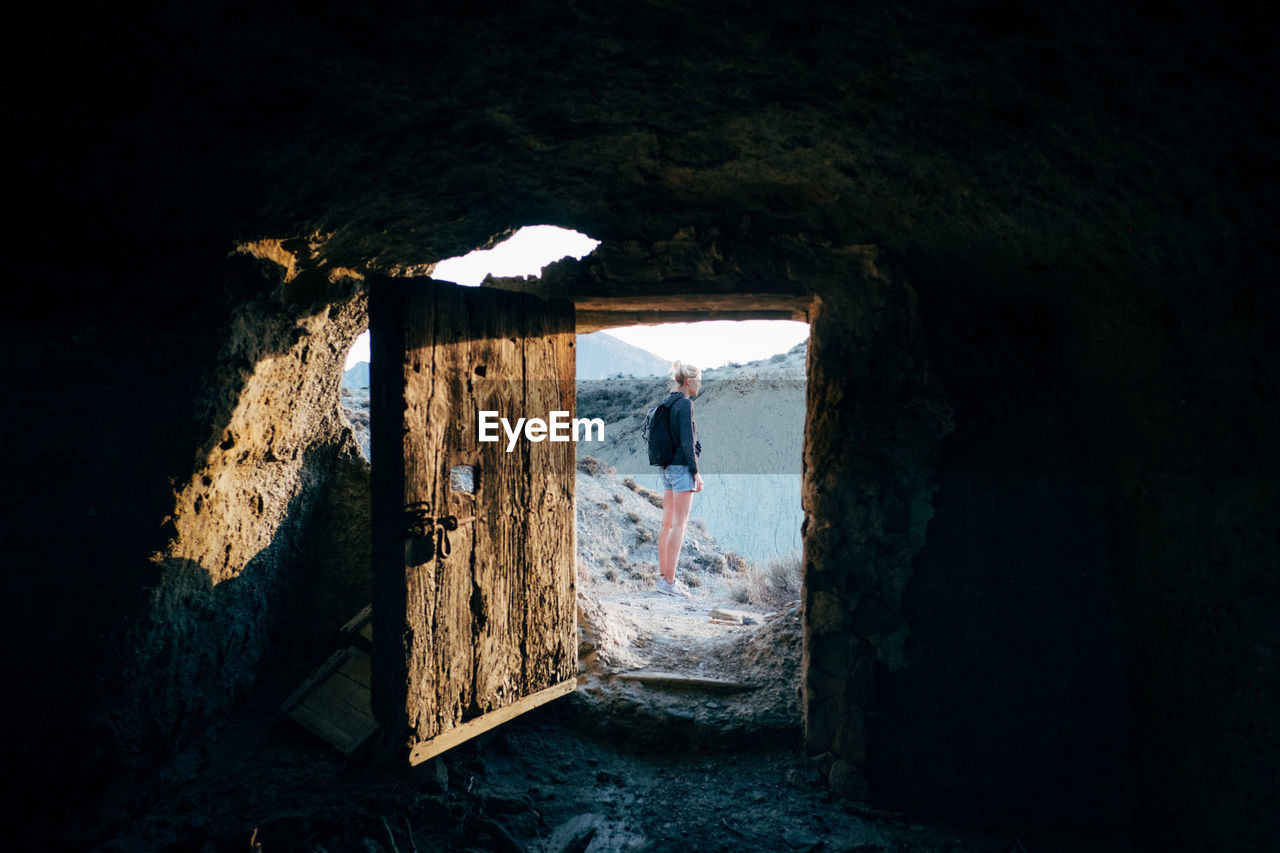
(677, 588)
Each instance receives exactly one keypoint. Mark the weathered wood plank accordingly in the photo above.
(497, 380)
(675, 679)
(492, 622)
(733, 301)
(359, 621)
(593, 321)
(550, 364)
(448, 740)
(425, 675)
(321, 672)
(359, 628)
(443, 629)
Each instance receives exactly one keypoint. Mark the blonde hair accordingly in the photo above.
(680, 371)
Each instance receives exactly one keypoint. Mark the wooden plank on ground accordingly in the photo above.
(691, 682)
(359, 620)
(321, 672)
(460, 734)
(360, 628)
(334, 701)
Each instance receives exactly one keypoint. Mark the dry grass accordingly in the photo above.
(769, 586)
(648, 494)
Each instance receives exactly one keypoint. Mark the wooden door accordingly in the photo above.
(474, 594)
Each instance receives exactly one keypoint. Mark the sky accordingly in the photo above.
(708, 344)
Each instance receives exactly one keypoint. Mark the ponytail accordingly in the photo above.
(680, 371)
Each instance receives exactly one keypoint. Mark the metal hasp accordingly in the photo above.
(432, 533)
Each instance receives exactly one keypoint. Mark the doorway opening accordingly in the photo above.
(739, 633)
(742, 546)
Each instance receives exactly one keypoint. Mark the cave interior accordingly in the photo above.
(1035, 243)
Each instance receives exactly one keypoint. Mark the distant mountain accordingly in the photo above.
(357, 376)
(601, 355)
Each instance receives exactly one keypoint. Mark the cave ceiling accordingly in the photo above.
(393, 136)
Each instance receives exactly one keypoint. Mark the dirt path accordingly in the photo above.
(630, 631)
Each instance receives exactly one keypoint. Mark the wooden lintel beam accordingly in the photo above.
(594, 312)
(718, 301)
(593, 321)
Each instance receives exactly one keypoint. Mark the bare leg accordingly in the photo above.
(675, 516)
(668, 515)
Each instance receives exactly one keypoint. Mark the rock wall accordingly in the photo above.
(875, 416)
(1018, 653)
(248, 560)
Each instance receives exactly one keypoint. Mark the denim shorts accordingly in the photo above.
(676, 478)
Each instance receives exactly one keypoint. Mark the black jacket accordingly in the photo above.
(684, 432)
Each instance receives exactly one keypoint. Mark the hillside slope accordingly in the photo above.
(751, 425)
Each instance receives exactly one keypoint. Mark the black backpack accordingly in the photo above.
(657, 432)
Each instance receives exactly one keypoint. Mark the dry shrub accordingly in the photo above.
(644, 536)
(712, 562)
(737, 563)
(769, 586)
(590, 465)
(633, 517)
(617, 498)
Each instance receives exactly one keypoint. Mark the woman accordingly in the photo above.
(680, 479)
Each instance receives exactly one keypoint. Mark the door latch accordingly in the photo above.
(430, 533)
